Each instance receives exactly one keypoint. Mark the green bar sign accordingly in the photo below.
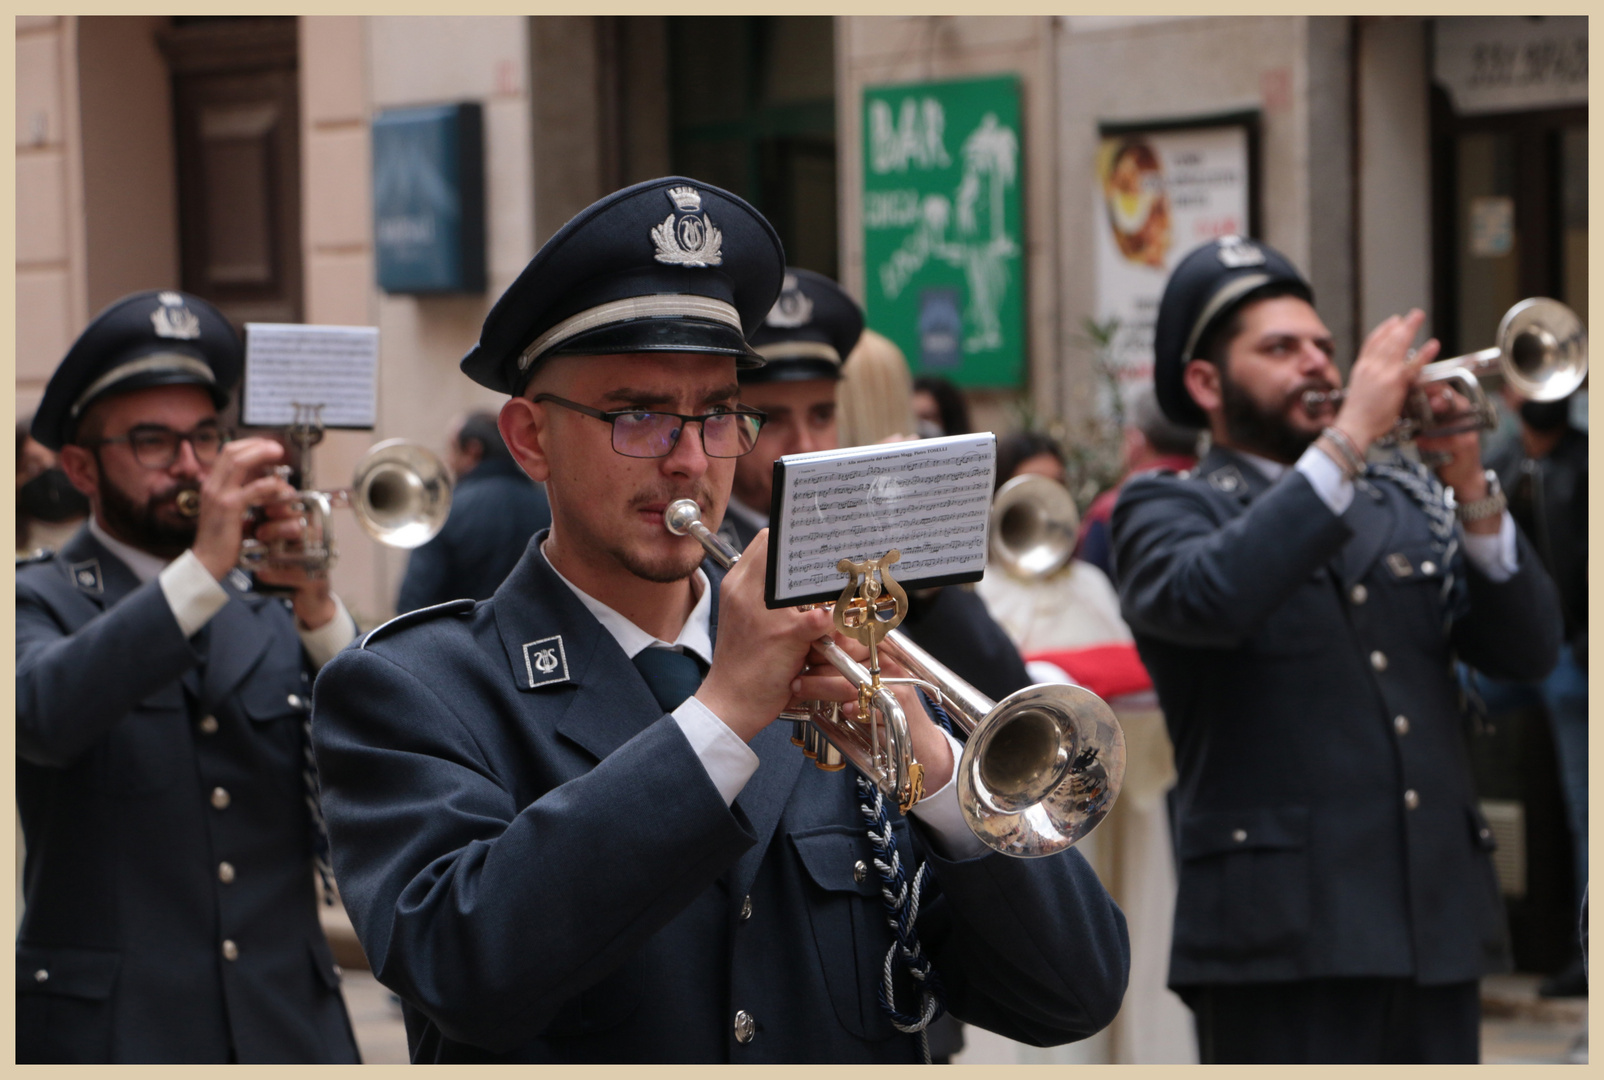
(942, 227)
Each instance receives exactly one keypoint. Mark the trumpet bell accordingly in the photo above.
(1041, 770)
(1544, 349)
(401, 494)
(1034, 521)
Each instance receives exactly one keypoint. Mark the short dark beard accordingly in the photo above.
(139, 525)
(1258, 430)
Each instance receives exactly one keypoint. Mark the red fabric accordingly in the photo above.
(1106, 670)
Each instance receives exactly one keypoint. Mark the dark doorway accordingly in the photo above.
(752, 108)
(1511, 216)
(237, 134)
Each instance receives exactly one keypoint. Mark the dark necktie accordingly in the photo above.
(671, 676)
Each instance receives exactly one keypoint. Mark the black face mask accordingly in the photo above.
(1546, 416)
(51, 497)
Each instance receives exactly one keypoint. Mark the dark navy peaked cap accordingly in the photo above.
(670, 265)
(155, 338)
(1206, 287)
(809, 332)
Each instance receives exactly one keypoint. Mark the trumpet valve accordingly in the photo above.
(829, 758)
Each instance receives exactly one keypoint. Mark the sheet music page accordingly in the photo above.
(333, 366)
(928, 498)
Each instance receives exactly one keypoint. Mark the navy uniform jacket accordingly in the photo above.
(495, 509)
(537, 862)
(1327, 824)
(146, 760)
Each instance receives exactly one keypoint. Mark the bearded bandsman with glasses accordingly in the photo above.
(563, 822)
(162, 708)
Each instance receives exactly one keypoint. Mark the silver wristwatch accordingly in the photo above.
(1488, 505)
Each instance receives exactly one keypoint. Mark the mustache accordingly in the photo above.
(700, 493)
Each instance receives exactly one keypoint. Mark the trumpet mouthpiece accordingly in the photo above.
(681, 515)
(188, 502)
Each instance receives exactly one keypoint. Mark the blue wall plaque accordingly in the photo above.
(429, 199)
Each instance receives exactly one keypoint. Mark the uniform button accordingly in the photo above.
(745, 1027)
(208, 725)
(1358, 594)
(230, 950)
(1400, 724)
(860, 871)
(339, 972)
(295, 701)
(41, 975)
(1378, 660)
(221, 798)
(746, 908)
(1485, 834)
(1428, 567)
(1239, 835)
(1411, 798)
(225, 873)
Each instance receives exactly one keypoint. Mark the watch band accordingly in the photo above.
(1487, 506)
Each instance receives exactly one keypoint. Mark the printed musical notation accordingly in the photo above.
(289, 363)
(930, 499)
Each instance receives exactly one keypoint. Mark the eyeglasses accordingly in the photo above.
(642, 433)
(156, 447)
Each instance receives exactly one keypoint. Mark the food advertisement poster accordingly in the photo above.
(1160, 191)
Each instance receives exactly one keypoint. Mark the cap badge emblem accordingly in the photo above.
(1235, 252)
(687, 237)
(793, 308)
(173, 320)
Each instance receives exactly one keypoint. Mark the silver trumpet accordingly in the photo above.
(1541, 352)
(1040, 769)
(400, 494)
(1033, 524)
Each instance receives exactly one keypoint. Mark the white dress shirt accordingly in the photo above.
(729, 761)
(195, 596)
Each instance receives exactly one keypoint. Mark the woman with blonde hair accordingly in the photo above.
(874, 399)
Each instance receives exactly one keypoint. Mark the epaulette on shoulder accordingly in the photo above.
(37, 555)
(464, 606)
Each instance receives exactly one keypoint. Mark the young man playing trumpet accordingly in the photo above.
(162, 707)
(1298, 610)
(564, 824)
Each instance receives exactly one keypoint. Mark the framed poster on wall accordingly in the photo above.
(1162, 188)
(943, 239)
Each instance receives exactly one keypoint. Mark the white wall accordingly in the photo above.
(1128, 69)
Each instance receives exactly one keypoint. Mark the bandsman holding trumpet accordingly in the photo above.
(1298, 608)
(564, 823)
(162, 723)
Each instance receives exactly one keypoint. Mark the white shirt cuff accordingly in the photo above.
(1494, 554)
(1334, 489)
(192, 592)
(322, 644)
(941, 814)
(729, 762)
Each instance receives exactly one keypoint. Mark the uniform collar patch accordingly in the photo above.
(545, 661)
(1226, 479)
(86, 575)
